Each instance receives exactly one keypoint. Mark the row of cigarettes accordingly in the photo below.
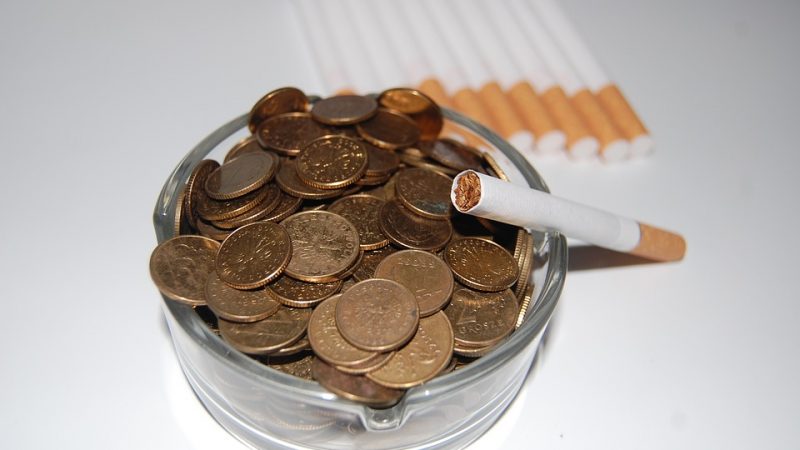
(517, 66)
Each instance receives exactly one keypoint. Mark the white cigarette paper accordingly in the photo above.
(509, 203)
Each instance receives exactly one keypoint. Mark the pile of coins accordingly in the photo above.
(325, 246)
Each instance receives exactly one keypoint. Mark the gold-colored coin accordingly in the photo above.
(389, 129)
(211, 209)
(380, 163)
(287, 134)
(353, 268)
(299, 346)
(254, 255)
(370, 261)
(374, 363)
(326, 340)
(481, 264)
(421, 108)
(324, 245)
(481, 319)
(208, 230)
(290, 182)
(525, 267)
(287, 205)
(180, 223)
(279, 101)
(453, 154)
(410, 230)
(377, 315)
(362, 211)
(524, 305)
(237, 305)
(427, 164)
(425, 192)
(424, 274)
(195, 188)
(277, 331)
(299, 294)
(373, 180)
(331, 162)
(344, 109)
(472, 352)
(266, 206)
(240, 175)
(247, 145)
(357, 388)
(424, 357)
(296, 365)
(180, 267)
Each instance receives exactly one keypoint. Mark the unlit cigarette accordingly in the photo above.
(595, 77)
(488, 197)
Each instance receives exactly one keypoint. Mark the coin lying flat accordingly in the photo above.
(211, 209)
(370, 261)
(380, 162)
(279, 330)
(377, 315)
(324, 245)
(344, 109)
(287, 205)
(362, 211)
(331, 162)
(299, 294)
(247, 145)
(481, 264)
(425, 192)
(418, 106)
(354, 387)
(409, 230)
(326, 340)
(254, 255)
(195, 188)
(240, 175)
(424, 357)
(237, 305)
(373, 364)
(209, 230)
(389, 129)
(180, 267)
(267, 205)
(453, 154)
(290, 182)
(287, 134)
(481, 319)
(279, 101)
(424, 274)
(293, 349)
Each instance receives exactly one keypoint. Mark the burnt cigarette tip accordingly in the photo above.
(468, 191)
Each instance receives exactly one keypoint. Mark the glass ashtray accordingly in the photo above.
(265, 408)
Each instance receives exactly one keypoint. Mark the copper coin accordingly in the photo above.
(362, 211)
(425, 192)
(373, 364)
(380, 162)
(247, 145)
(324, 245)
(254, 255)
(354, 387)
(195, 188)
(373, 180)
(370, 261)
(377, 315)
(472, 352)
(180, 267)
(481, 264)
(287, 205)
(424, 274)
(524, 305)
(299, 294)
(422, 358)
(389, 130)
(453, 154)
(410, 230)
(297, 347)
(238, 305)
(428, 164)
(209, 230)
(344, 109)
(287, 134)
(331, 162)
(180, 223)
(421, 108)
(266, 206)
(279, 101)
(277, 331)
(211, 209)
(326, 341)
(481, 319)
(525, 267)
(290, 182)
(240, 175)
(295, 365)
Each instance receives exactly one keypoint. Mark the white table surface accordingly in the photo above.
(98, 101)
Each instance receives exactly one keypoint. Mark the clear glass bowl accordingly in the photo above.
(265, 408)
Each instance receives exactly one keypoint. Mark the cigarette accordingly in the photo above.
(488, 197)
(525, 107)
(458, 41)
(607, 93)
(613, 145)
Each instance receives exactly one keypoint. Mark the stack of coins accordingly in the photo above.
(325, 246)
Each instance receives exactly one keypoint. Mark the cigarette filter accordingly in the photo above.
(488, 197)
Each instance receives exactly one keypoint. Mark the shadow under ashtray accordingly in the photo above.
(588, 257)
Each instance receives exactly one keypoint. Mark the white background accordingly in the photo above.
(98, 102)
